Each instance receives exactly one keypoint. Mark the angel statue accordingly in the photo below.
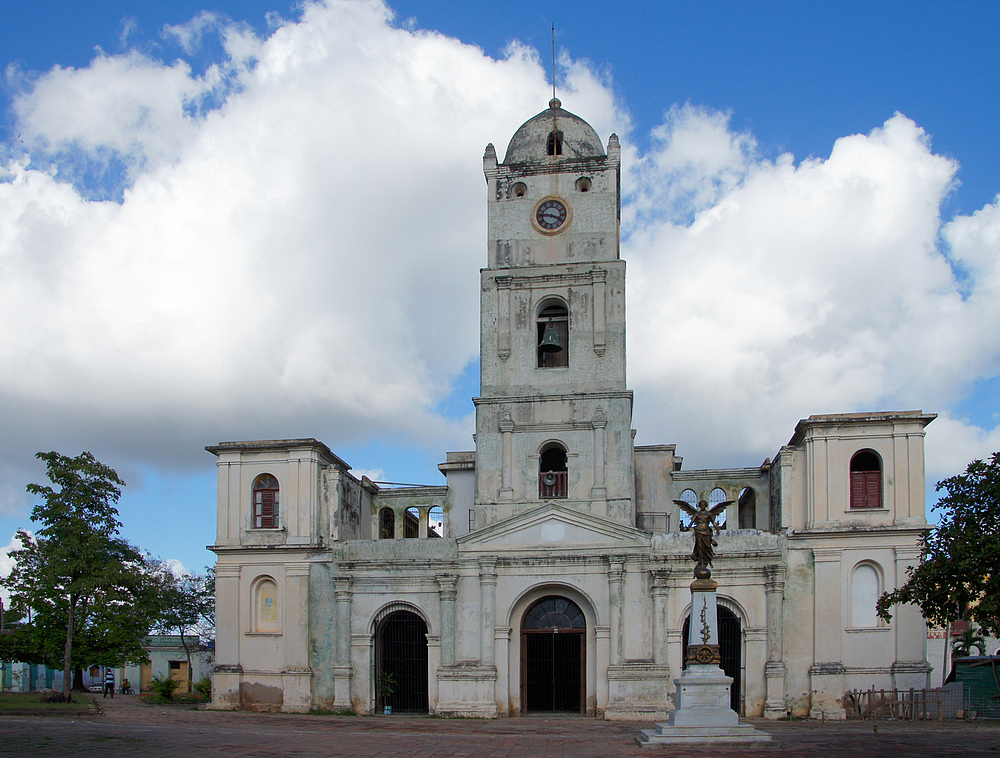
(702, 522)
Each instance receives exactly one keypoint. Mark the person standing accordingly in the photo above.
(109, 683)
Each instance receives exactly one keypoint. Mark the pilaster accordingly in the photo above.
(774, 669)
(446, 595)
(342, 670)
(487, 600)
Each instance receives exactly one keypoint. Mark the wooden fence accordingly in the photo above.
(903, 705)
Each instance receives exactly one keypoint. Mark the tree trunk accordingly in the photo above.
(68, 654)
(187, 651)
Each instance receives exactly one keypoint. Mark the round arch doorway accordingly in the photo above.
(401, 662)
(553, 656)
(730, 651)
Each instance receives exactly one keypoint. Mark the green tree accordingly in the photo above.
(187, 608)
(90, 597)
(958, 576)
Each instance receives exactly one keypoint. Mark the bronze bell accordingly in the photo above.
(550, 340)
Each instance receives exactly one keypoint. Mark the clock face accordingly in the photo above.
(551, 214)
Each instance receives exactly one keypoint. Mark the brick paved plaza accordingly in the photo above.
(128, 728)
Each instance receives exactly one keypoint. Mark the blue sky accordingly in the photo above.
(237, 220)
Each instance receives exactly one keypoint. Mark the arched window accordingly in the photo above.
(435, 522)
(691, 498)
(553, 335)
(265, 502)
(411, 523)
(552, 472)
(386, 524)
(718, 495)
(265, 606)
(866, 480)
(554, 144)
(865, 591)
(748, 509)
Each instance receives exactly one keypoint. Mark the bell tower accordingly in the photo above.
(554, 416)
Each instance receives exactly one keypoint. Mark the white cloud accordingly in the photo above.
(300, 261)
(375, 474)
(7, 565)
(176, 568)
(297, 243)
(799, 289)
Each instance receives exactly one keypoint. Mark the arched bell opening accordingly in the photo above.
(553, 335)
(553, 656)
(552, 472)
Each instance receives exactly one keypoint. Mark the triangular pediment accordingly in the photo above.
(554, 526)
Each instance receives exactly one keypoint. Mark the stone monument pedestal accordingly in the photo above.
(702, 714)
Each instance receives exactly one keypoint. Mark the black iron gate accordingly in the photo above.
(730, 650)
(553, 671)
(552, 656)
(401, 662)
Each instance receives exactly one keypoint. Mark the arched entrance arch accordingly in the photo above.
(514, 652)
(730, 650)
(400, 667)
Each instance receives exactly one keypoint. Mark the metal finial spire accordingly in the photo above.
(554, 102)
(553, 61)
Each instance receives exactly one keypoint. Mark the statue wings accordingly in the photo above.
(689, 509)
(713, 512)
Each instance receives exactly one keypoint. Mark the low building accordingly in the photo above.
(168, 657)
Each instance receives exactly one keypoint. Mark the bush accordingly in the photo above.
(164, 687)
(204, 687)
(52, 696)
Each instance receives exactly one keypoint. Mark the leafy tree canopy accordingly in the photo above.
(89, 597)
(959, 573)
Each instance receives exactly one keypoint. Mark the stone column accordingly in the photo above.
(487, 604)
(616, 596)
(507, 444)
(446, 594)
(599, 422)
(660, 592)
(774, 669)
(342, 670)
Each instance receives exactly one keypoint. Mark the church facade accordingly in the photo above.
(551, 571)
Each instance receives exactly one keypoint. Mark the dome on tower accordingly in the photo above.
(534, 140)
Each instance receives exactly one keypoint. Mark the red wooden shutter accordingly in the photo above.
(857, 489)
(873, 489)
(267, 510)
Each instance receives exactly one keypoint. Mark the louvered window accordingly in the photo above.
(866, 481)
(265, 502)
